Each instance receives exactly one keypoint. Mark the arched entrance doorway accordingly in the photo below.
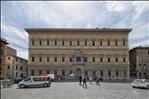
(78, 72)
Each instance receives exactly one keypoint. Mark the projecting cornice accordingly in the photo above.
(45, 30)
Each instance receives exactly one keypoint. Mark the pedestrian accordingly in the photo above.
(80, 80)
(84, 82)
(97, 81)
(90, 79)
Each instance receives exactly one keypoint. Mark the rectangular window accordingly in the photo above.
(85, 59)
(40, 59)
(124, 59)
(33, 73)
(48, 72)
(8, 66)
(55, 59)
(63, 59)
(117, 73)
(70, 43)
(94, 73)
(55, 72)
(109, 59)
(116, 59)
(47, 42)
(93, 43)
(40, 72)
(86, 73)
(101, 73)
(78, 59)
(85, 43)
(70, 59)
(33, 59)
(148, 52)
(40, 42)
(63, 73)
(21, 68)
(108, 43)
(78, 43)
(63, 43)
(48, 59)
(109, 73)
(8, 58)
(100, 43)
(55, 43)
(101, 59)
(93, 59)
(124, 43)
(32, 42)
(16, 67)
(116, 43)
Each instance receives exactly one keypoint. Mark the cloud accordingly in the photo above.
(17, 39)
(73, 14)
(116, 6)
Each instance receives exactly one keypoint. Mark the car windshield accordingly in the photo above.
(146, 80)
(27, 79)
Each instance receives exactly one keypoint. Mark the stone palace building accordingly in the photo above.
(79, 51)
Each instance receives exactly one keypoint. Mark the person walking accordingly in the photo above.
(80, 80)
(84, 82)
(97, 81)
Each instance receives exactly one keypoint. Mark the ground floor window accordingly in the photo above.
(48, 71)
(22, 75)
(86, 73)
(117, 73)
(40, 72)
(33, 73)
(63, 73)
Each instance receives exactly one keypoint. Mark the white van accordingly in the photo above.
(142, 83)
(34, 81)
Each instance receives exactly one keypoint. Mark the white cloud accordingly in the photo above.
(117, 6)
(17, 39)
(77, 14)
(13, 31)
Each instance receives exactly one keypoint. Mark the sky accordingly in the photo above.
(17, 15)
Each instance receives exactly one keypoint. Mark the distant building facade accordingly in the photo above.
(3, 44)
(91, 52)
(139, 62)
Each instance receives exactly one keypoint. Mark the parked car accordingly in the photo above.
(17, 80)
(34, 81)
(140, 83)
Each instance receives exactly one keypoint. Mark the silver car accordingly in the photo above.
(140, 83)
(34, 81)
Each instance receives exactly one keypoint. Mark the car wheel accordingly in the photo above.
(147, 86)
(22, 86)
(45, 85)
(133, 86)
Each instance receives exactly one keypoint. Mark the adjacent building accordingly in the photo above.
(16, 67)
(139, 62)
(79, 51)
(3, 44)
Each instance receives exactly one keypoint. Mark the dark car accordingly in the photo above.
(17, 80)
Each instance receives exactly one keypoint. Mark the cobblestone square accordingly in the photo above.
(72, 90)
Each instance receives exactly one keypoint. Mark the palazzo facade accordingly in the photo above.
(79, 51)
